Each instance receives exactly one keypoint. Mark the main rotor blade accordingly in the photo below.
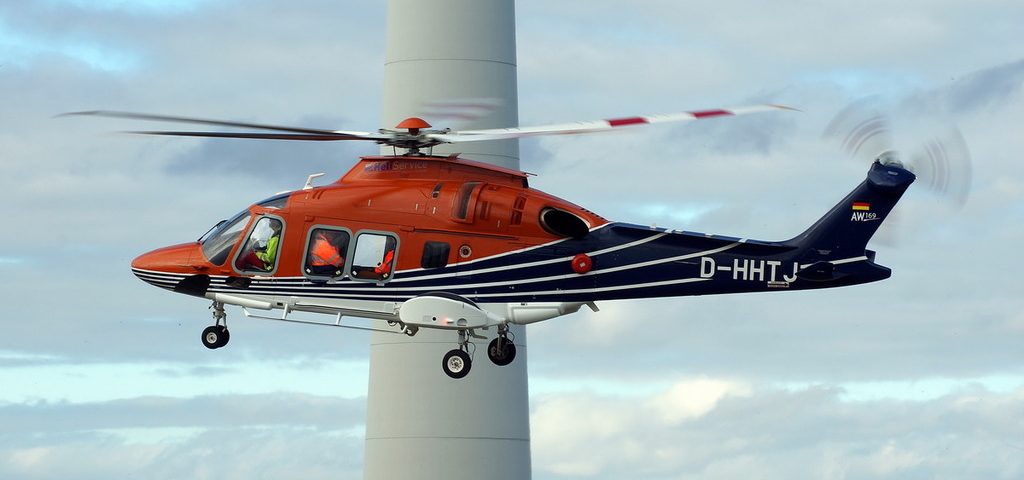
(264, 136)
(596, 125)
(221, 123)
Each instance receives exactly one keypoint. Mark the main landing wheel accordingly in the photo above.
(501, 351)
(456, 363)
(216, 336)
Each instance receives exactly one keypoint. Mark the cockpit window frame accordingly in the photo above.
(240, 243)
(217, 231)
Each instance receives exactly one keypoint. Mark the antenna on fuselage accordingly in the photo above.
(309, 180)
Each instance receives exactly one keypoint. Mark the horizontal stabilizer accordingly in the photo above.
(818, 272)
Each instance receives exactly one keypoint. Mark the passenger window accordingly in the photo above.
(435, 254)
(374, 256)
(260, 252)
(325, 252)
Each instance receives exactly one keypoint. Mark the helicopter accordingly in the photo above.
(416, 240)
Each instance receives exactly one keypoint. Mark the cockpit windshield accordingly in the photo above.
(217, 244)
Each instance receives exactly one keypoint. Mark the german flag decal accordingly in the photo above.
(861, 206)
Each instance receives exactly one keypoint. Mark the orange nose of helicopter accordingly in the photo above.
(171, 268)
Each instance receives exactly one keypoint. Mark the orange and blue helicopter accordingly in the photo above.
(441, 242)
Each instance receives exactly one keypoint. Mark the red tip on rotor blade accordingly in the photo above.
(710, 113)
(620, 122)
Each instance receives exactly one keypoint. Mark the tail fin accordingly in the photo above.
(844, 231)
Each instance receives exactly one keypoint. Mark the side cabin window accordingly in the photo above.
(374, 256)
(435, 254)
(325, 252)
(261, 249)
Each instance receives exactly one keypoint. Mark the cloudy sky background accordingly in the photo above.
(919, 376)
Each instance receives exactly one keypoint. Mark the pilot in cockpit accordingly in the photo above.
(268, 255)
(260, 251)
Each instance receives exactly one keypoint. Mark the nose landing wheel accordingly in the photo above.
(217, 335)
(457, 363)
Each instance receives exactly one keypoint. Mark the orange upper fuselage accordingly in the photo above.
(490, 210)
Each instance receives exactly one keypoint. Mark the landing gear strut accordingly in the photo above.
(457, 363)
(502, 350)
(217, 335)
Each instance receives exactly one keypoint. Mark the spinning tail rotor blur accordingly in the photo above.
(936, 152)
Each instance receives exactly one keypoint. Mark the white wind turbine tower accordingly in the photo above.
(457, 56)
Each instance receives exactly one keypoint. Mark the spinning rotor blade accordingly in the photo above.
(262, 136)
(944, 164)
(862, 134)
(413, 133)
(315, 134)
(941, 160)
(594, 126)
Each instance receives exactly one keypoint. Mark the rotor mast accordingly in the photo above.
(453, 63)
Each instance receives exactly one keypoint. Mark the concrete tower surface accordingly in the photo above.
(454, 56)
(445, 52)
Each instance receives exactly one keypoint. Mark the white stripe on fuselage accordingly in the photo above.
(839, 262)
(337, 290)
(520, 265)
(340, 288)
(600, 289)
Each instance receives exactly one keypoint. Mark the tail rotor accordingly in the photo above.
(935, 152)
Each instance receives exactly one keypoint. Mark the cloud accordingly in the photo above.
(778, 434)
(701, 427)
(213, 411)
(149, 7)
(694, 398)
(995, 86)
(277, 435)
(19, 359)
(230, 453)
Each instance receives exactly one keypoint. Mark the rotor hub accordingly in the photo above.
(413, 123)
(890, 158)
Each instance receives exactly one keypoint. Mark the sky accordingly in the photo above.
(918, 376)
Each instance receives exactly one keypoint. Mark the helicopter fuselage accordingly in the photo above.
(480, 232)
